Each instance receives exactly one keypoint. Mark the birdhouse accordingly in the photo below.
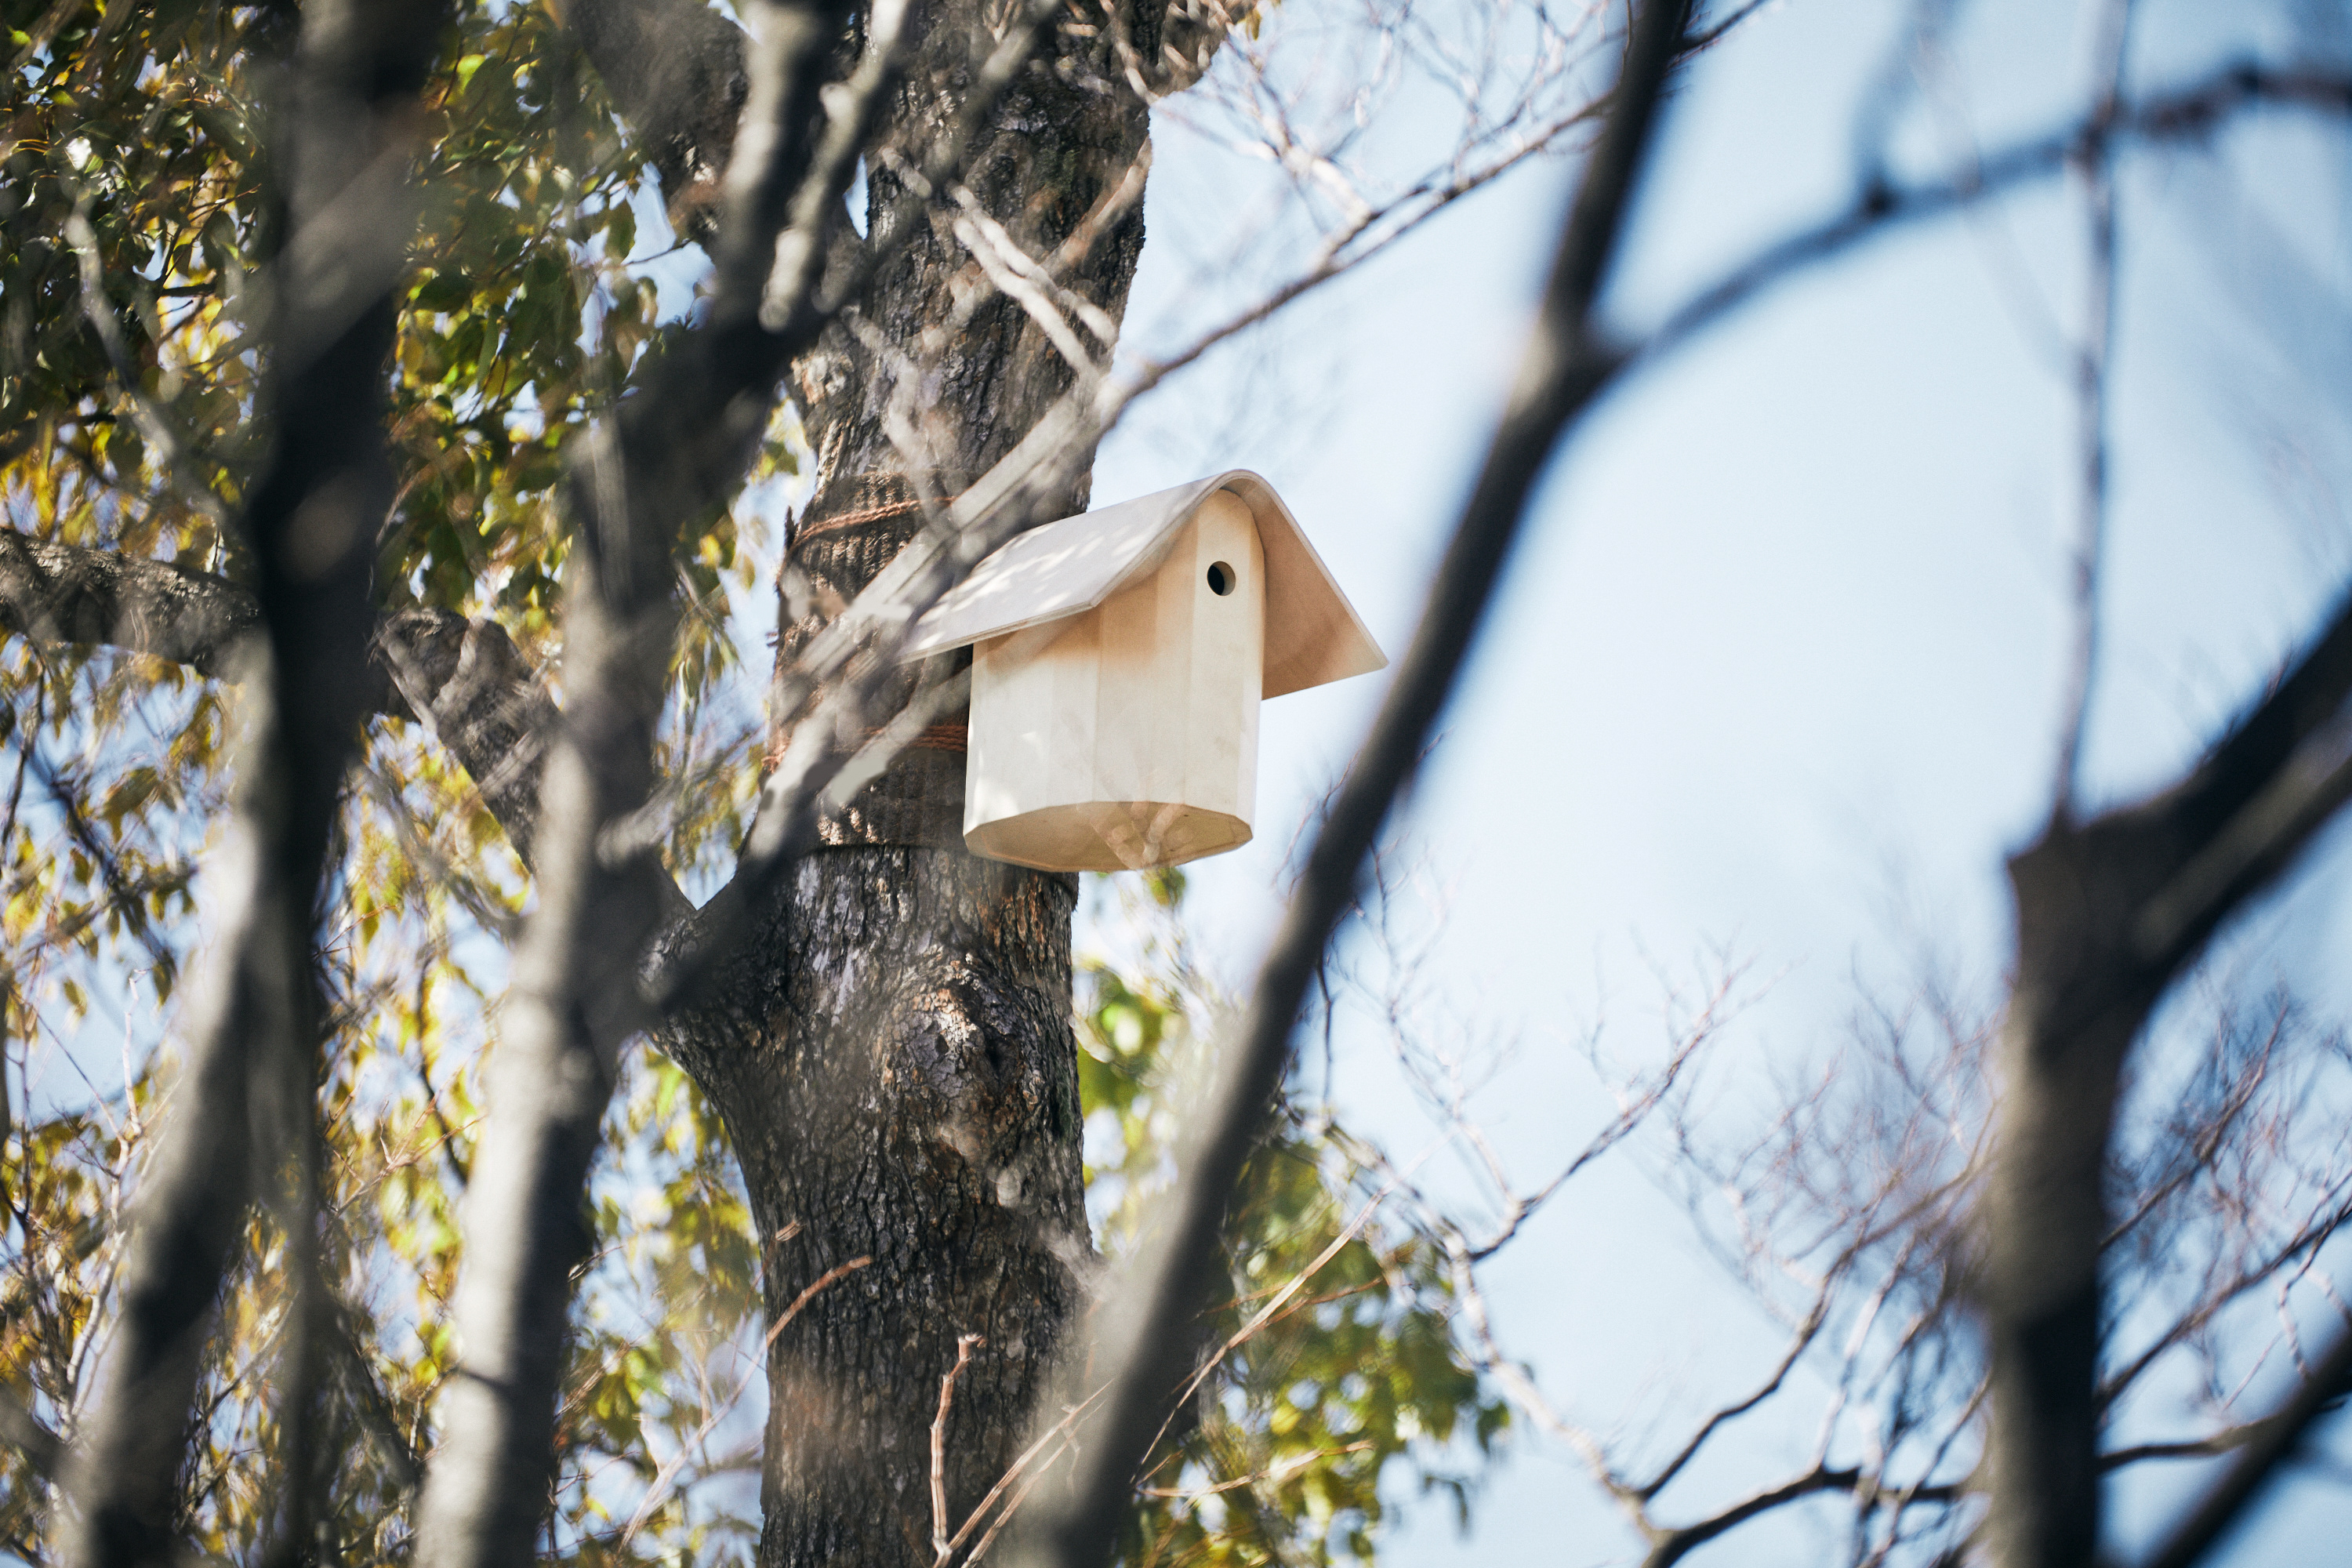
(1118, 663)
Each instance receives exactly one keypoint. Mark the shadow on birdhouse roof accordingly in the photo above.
(1313, 635)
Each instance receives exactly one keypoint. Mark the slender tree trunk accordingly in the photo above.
(894, 1055)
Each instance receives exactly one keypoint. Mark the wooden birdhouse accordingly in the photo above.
(1118, 663)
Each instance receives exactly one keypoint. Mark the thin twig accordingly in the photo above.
(2095, 162)
(942, 1545)
(2269, 1447)
(659, 1486)
(1560, 373)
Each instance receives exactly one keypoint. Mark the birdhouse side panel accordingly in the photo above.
(1032, 726)
(1144, 681)
(1075, 660)
(1227, 587)
(1127, 735)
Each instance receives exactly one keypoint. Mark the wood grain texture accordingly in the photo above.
(1130, 738)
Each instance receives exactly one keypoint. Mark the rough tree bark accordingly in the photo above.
(893, 1052)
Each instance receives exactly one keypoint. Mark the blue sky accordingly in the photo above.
(1781, 657)
(1777, 670)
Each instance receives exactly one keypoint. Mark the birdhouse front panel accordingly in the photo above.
(1119, 661)
(1127, 736)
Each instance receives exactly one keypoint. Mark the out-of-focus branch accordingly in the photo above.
(2308, 1238)
(1141, 1344)
(2109, 913)
(247, 1096)
(465, 679)
(1878, 209)
(123, 895)
(1799, 1344)
(1672, 1546)
(674, 68)
(2229, 1440)
(375, 1408)
(31, 1436)
(2095, 162)
(2273, 1442)
(659, 1487)
(162, 437)
(633, 483)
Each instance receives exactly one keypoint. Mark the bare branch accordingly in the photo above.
(2097, 163)
(2271, 1444)
(1799, 1344)
(1674, 1545)
(2183, 114)
(1142, 1350)
(942, 1545)
(659, 1487)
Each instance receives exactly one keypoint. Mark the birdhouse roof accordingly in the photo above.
(1313, 635)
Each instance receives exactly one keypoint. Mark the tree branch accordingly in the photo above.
(464, 678)
(42, 1447)
(2108, 914)
(1140, 1346)
(64, 594)
(674, 68)
(2179, 115)
(2273, 1442)
(348, 113)
(1673, 1545)
(467, 679)
(2097, 166)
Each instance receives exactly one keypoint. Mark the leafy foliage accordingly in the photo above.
(133, 154)
(1337, 1350)
(526, 312)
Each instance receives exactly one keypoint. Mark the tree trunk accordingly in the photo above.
(902, 1089)
(894, 1055)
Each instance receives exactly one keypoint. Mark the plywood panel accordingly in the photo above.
(1227, 651)
(1130, 739)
